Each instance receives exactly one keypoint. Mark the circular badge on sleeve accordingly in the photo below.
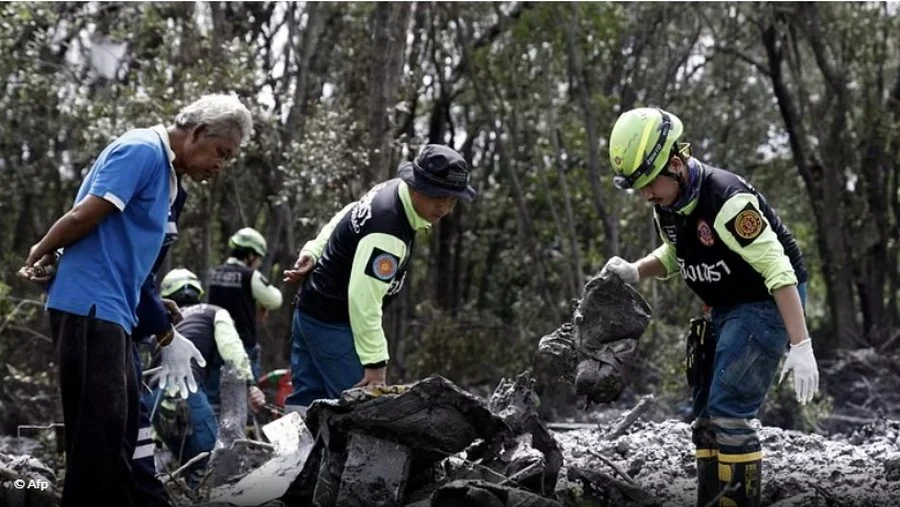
(748, 224)
(384, 266)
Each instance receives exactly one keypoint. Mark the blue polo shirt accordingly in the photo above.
(107, 267)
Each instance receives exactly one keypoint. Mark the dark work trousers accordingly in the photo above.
(100, 409)
(150, 491)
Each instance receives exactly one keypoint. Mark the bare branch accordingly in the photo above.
(487, 37)
(761, 67)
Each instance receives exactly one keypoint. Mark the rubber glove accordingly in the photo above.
(625, 270)
(806, 372)
(175, 367)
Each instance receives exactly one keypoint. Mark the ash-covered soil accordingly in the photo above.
(860, 469)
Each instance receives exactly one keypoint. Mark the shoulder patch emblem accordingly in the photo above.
(382, 265)
(746, 225)
(704, 233)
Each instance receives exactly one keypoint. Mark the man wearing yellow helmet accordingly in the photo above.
(739, 258)
(238, 287)
(212, 331)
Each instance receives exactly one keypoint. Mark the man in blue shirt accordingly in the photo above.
(112, 237)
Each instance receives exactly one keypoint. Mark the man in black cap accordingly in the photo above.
(355, 266)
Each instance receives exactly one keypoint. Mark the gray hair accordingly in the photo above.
(221, 114)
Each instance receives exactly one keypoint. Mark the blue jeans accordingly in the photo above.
(750, 341)
(324, 362)
(254, 353)
(186, 444)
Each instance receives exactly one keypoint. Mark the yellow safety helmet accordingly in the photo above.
(178, 279)
(641, 144)
(249, 237)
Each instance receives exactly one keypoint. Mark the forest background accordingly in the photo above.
(803, 99)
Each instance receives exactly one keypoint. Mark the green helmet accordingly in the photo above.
(178, 279)
(640, 145)
(249, 237)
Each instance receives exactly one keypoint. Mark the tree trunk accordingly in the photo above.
(824, 197)
(574, 250)
(388, 21)
(582, 85)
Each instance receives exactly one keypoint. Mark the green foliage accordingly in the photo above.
(498, 81)
(477, 349)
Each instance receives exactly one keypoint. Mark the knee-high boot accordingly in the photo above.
(741, 475)
(707, 476)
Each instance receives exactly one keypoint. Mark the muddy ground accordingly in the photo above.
(859, 469)
(852, 458)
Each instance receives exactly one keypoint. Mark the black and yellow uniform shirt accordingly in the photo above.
(361, 259)
(728, 244)
(239, 289)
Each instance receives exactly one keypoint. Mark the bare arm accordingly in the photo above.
(74, 225)
(651, 266)
(787, 299)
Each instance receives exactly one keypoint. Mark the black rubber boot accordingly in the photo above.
(707, 479)
(743, 483)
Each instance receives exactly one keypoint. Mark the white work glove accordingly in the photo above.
(625, 270)
(806, 373)
(175, 367)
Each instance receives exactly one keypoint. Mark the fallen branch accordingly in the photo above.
(570, 426)
(521, 474)
(890, 342)
(612, 465)
(15, 310)
(202, 482)
(32, 332)
(603, 482)
(190, 462)
(479, 466)
(253, 443)
(850, 419)
(630, 418)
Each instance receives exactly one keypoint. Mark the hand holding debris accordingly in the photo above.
(625, 270)
(594, 350)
